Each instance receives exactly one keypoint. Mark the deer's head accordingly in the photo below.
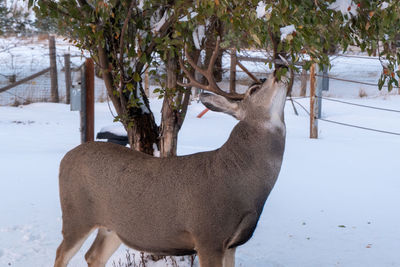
(261, 102)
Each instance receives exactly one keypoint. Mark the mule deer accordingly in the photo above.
(208, 202)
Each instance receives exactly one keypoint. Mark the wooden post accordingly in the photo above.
(89, 80)
(146, 83)
(232, 77)
(53, 70)
(87, 101)
(313, 105)
(255, 79)
(67, 63)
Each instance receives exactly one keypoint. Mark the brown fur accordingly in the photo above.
(207, 202)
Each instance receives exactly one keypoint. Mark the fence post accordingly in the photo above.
(89, 66)
(67, 63)
(232, 76)
(87, 101)
(313, 105)
(53, 70)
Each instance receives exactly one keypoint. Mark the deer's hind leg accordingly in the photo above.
(105, 244)
(72, 242)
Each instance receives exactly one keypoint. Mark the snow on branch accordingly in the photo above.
(345, 6)
(287, 31)
(198, 36)
(158, 25)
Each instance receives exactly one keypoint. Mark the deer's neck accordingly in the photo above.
(253, 152)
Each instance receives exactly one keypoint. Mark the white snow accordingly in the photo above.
(141, 4)
(143, 106)
(348, 177)
(198, 36)
(186, 18)
(157, 26)
(347, 7)
(261, 9)
(384, 5)
(286, 31)
(156, 152)
(116, 129)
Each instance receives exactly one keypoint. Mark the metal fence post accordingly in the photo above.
(67, 64)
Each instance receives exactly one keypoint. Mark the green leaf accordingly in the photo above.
(136, 77)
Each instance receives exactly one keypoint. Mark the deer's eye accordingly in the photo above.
(254, 89)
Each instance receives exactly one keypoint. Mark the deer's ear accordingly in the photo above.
(221, 104)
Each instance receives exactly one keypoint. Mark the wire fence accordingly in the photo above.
(351, 81)
(294, 100)
(359, 105)
(39, 88)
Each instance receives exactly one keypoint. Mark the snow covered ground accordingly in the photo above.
(336, 202)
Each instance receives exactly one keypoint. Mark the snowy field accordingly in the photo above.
(336, 202)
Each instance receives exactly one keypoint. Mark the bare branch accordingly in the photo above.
(122, 36)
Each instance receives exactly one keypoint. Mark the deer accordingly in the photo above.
(207, 203)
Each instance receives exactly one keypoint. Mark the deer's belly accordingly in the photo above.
(162, 244)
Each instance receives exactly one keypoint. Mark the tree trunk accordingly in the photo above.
(169, 123)
(174, 106)
(143, 133)
(140, 126)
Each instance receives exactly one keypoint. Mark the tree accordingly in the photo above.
(123, 37)
(14, 20)
(303, 31)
